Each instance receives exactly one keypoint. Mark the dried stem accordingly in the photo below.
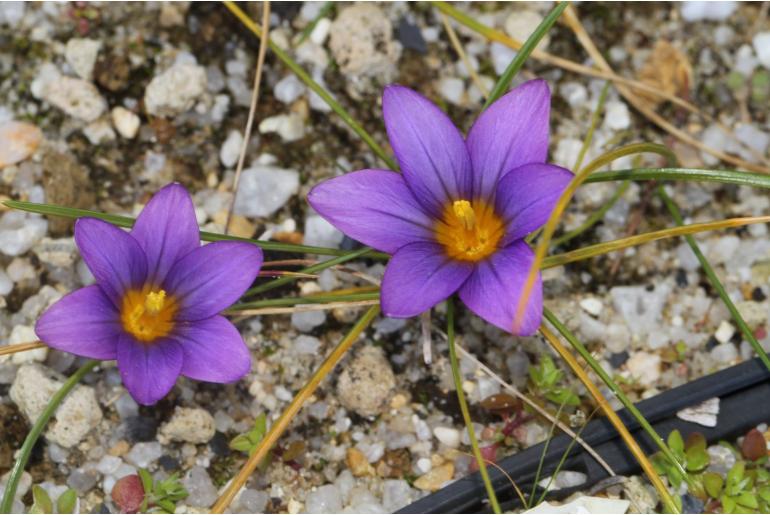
(613, 417)
(277, 429)
(252, 108)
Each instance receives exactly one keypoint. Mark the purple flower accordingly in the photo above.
(157, 298)
(456, 217)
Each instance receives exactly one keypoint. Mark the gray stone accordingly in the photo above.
(81, 55)
(325, 499)
(251, 501)
(144, 453)
(263, 190)
(306, 321)
(76, 97)
(176, 90)
(363, 46)
(20, 231)
(396, 493)
(320, 233)
(76, 416)
(366, 384)
(202, 492)
(193, 425)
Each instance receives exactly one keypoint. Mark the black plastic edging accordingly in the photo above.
(744, 394)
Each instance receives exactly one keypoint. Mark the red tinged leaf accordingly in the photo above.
(488, 453)
(128, 494)
(754, 445)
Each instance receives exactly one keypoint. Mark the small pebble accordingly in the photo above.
(126, 122)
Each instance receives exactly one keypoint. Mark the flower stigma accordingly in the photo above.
(148, 314)
(469, 230)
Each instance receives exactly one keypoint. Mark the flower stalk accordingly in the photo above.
(455, 366)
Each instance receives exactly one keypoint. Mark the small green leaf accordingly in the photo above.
(241, 443)
(41, 501)
(728, 504)
(146, 479)
(764, 493)
(695, 442)
(260, 423)
(675, 441)
(749, 500)
(167, 505)
(697, 459)
(66, 503)
(713, 483)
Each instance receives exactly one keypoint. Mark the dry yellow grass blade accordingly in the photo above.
(252, 108)
(303, 308)
(572, 21)
(640, 239)
(280, 425)
(535, 406)
(613, 417)
(20, 347)
(607, 73)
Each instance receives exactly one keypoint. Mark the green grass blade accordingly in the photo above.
(714, 280)
(594, 218)
(128, 222)
(35, 432)
(613, 386)
(523, 54)
(309, 299)
(326, 9)
(753, 179)
(455, 366)
(318, 267)
(592, 128)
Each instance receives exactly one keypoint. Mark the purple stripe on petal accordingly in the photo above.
(494, 289)
(83, 322)
(418, 277)
(374, 207)
(113, 256)
(429, 148)
(167, 230)
(149, 371)
(213, 350)
(211, 278)
(526, 196)
(511, 132)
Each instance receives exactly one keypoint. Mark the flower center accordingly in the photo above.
(469, 230)
(148, 314)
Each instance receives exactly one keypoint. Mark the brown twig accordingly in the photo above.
(20, 347)
(252, 108)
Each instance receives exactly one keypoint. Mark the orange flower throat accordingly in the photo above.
(148, 314)
(469, 230)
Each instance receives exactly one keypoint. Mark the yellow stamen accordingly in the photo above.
(154, 301)
(463, 210)
(148, 314)
(469, 230)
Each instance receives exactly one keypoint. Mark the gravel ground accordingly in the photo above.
(118, 99)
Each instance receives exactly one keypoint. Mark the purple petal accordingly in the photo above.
(113, 256)
(83, 322)
(494, 289)
(374, 207)
(527, 195)
(429, 148)
(149, 371)
(213, 350)
(418, 277)
(167, 230)
(511, 132)
(211, 278)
